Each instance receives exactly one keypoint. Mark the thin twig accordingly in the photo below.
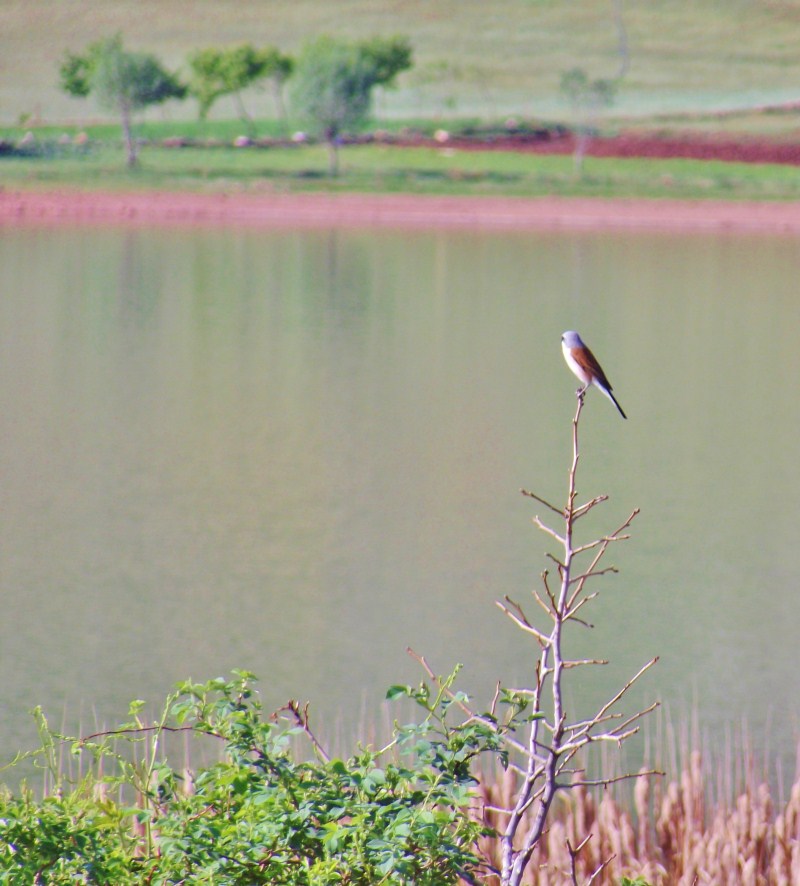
(552, 598)
(459, 701)
(593, 574)
(638, 716)
(133, 730)
(599, 870)
(572, 609)
(543, 501)
(582, 725)
(573, 855)
(495, 699)
(626, 687)
(300, 716)
(585, 508)
(580, 662)
(615, 779)
(521, 622)
(500, 809)
(539, 599)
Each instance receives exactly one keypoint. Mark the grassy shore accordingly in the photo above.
(376, 168)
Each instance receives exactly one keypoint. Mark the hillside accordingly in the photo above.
(484, 58)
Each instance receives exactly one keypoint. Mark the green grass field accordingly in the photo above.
(486, 58)
(387, 169)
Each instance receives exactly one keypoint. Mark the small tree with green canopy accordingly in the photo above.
(121, 81)
(229, 71)
(334, 81)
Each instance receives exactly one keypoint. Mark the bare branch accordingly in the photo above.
(300, 716)
(522, 622)
(622, 39)
(638, 716)
(612, 737)
(613, 536)
(599, 870)
(585, 624)
(572, 609)
(547, 760)
(584, 661)
(626, 687)
(614, 779)
(499, 809)
(605, 541)
(493, 706)
(521, 771)
(143, 730)
(545, 528)
(543, 501)
(458, 700)
(573, 856)
(585, 508)
(583, 725)
(593, 574)
(437, 680)
(539, 599)
(552, 598)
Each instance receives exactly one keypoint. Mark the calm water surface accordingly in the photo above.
(300, 453)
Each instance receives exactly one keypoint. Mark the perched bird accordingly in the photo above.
(584, 364)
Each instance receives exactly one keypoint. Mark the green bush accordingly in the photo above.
(262, 813)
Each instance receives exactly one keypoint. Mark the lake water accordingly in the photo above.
(300, 452)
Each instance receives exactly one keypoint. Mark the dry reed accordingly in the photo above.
(670, 833)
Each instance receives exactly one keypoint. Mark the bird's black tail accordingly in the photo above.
(614, 401)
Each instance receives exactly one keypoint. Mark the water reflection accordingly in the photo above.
(299, 453)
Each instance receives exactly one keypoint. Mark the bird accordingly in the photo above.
(584, 364)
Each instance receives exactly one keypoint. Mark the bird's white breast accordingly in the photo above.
(573, 364)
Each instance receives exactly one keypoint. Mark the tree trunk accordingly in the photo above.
(244, 116)
(333, 155)
(127, 132)
(581, 144)
(280, 104)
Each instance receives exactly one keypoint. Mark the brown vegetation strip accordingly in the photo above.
(741, 149)
(392, 211)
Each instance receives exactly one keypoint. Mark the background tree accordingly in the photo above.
(388, 56)
(586, 97)
(229, 71)
(121, 81)
(280, 69)
(334, 81)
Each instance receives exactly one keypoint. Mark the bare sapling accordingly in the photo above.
(546, 762)
(539, 743)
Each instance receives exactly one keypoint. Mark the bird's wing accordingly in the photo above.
(588, 362)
